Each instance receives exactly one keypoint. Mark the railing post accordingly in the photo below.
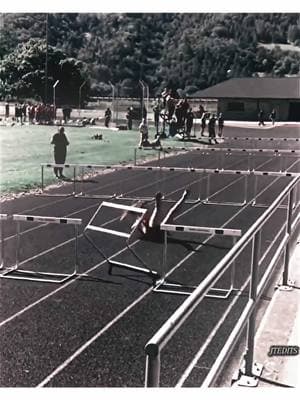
(152, 372)
(252, 296)
(285, 273)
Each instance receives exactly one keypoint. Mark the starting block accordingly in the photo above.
(92, 226)
(164, 286)
(14, 272)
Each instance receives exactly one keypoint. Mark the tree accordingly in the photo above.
(23, 73)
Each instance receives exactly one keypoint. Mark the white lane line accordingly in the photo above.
(93, 205)
(68, 198)
(23, 310)
(43, 225)
(214, 331)
(92, 339)
(86, 272)
(78, 237)
(83, 347)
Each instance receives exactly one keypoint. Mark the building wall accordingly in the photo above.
(252, 107)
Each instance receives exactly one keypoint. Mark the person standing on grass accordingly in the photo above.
(60, 142)
(143, 128)
(107, 117)
(129, 117)
(189, 122)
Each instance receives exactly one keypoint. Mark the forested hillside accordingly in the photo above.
(188, 51)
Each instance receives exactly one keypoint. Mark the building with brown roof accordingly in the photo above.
(243, 98)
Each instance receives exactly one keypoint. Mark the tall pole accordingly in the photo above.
(143, 97)
(46, 62)
(79, 99)
(146, 86)
(113, 100)
(54, 97)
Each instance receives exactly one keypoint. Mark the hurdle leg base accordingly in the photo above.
(131, 267)
(163, 286)
(286, 288)
(34, 276)
(241, 379)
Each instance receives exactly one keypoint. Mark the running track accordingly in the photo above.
(91, 332)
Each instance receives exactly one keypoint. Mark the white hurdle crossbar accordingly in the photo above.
(3, 217)
(208, 171)
(262, 138)
(176, 288)
(131, 209)
(14, 272)
(222, 151)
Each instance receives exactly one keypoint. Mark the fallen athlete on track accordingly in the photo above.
(149, 225)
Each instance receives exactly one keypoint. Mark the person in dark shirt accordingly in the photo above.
(107, 117)
(211, 129)
(129, 117)
(261, 118)
(189, 122)
(220, 124)
(273, 116)
(60, 142)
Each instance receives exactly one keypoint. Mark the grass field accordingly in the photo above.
(24, 148)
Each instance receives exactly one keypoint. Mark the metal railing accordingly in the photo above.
(253, 236)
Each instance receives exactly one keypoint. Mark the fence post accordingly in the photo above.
(252, 296)
(285, 274)
(152, 372)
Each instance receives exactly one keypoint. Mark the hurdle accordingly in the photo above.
(3, 217)
(14, 272)
(140, 213)
(271, 139)
(160, 170)
(221, 153)
(164, 286)
(53, 165)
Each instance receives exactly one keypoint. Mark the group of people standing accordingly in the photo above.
(40, 113)
(33, 113)
(178, 114)
(261, 117)
(211, 125)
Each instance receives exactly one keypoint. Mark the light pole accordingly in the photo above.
(113, 100)
(141, 83)
(54, 98)
(46, 61)
(147, 96)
